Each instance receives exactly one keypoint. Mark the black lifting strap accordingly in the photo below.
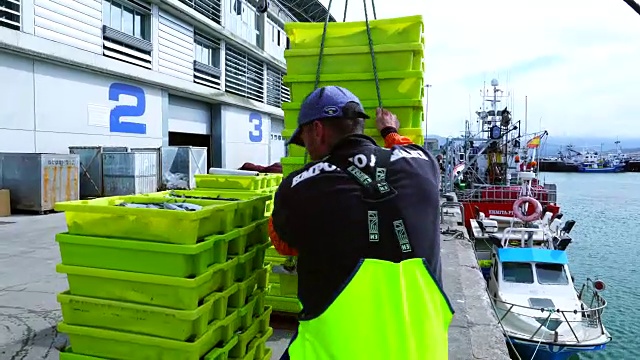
(377, 193)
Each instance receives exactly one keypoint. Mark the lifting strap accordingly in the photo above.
(379, 197)
(370, 38)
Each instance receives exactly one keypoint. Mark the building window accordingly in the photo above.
(286, 93)
(277, 92)
(206, 66)
(244, 75)
(127, 31)
(10, 14)
(212, 9)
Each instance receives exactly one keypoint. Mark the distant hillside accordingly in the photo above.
(553, 144)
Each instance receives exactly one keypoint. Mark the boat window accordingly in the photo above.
(551, 274)
(517, 272)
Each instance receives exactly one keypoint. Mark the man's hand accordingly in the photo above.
(385, 119)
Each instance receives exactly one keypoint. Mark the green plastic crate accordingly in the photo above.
(394, 85)
(258, 280)
(279, 260)
(221, 352)
(260, 325)
(306, 35)
(250, 206)
(248, 236)
(272, 252)
(157, 290)
(287, 284)
(179, 325)
(251, 261)
(356, 59)
(100, 217)
(284, 304)
(247, 313)
(291, 164)
(274, 180)
(68, 354)
(269, 210)
(409, 113)
(219, 302)
(260, 234)
(233, 182)
(257, 349)
(255, 234)
(125, 346)
(145, 257)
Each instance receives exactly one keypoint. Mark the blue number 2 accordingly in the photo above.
(115, 124)
(255, 134)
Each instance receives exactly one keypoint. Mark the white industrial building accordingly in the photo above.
(147, 74)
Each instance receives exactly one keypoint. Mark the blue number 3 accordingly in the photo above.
(115, 124)
(255, 134)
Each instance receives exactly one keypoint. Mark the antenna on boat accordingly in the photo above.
(526, 114)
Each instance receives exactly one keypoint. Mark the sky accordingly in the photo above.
(577, 62)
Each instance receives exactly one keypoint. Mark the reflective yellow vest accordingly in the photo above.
(387, 311)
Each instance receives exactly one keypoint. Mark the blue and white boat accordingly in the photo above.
(594, 163)
(544, 316)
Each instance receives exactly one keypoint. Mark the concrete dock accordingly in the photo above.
(29, 284)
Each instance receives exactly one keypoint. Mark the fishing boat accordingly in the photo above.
(482, 167)
(593, 162)
(535, 220)
(543, 314)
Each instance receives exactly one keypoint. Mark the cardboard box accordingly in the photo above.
(5, 203)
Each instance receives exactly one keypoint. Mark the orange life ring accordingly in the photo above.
(519, 214)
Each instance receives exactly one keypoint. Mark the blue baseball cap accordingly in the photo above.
(327, 102)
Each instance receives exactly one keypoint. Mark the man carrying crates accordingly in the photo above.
(364, 223)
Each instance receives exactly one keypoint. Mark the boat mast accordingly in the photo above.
(526, 117)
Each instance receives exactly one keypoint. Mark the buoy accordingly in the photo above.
(517, 159)
(519, 214)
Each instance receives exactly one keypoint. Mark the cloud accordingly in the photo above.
(576, 61)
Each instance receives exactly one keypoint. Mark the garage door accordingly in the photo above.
(189, 116)
(276, 144)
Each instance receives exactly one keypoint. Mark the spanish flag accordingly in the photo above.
(534, 143)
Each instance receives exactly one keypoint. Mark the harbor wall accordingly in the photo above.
(474, 332)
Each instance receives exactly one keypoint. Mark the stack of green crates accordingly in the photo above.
(283, 286)
(398, 46)
(148, 283)
(231, 186)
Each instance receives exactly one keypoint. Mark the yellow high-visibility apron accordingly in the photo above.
(386, 310)
(408, 321)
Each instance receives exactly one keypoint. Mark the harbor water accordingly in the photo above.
(606, 208)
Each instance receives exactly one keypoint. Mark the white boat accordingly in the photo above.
(542, 313)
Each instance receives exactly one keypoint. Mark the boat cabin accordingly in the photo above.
(532, 278)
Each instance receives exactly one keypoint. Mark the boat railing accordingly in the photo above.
(448, 205)
(525, 235)
(505, 193)
(591, 317)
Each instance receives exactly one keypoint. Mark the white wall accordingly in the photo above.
(47, 108)
(246, 136)
(277, 145)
